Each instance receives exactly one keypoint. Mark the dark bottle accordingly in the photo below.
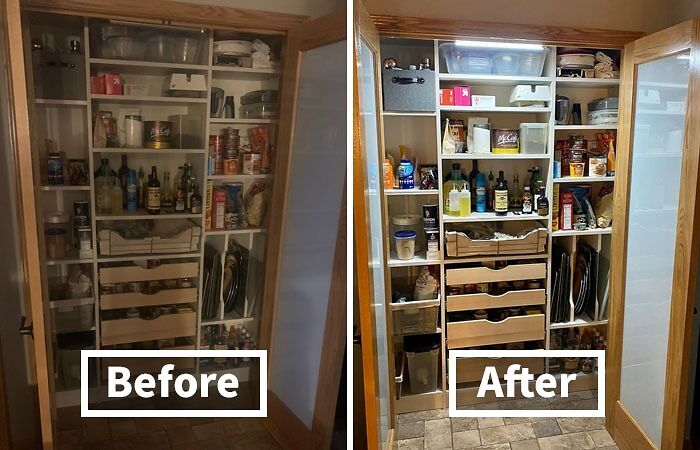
(542, 203)
(123, 175)
(153, 193)
(141, 189)
(196, 200)
(501, 195)
(229, 108)
(489, 193)
(187, 186)
(471, 179)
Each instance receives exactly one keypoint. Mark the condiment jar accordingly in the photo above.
(55, 243)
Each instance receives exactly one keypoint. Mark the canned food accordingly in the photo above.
(135, 286)
(251, 163)
(157, 133)
(231, 166)
(106, 288)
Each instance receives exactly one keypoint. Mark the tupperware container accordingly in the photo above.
(603, 103)
(263, 96)
(409, 222)
(465, 60)
(405, 244)
(506, 63)
(72, 317)
(186, 50)
(422, 353)
(161, 48)
(122, 47)
(602, 117)
(533, 138)
(531, 64)
(263, 110)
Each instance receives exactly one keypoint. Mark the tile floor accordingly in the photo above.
(434, 430)
(75, 433)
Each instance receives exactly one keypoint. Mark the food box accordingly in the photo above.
(484, 101)
(447, 97)
(462, 96)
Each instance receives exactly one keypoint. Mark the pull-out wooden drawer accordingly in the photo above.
(149, 365)
(474, 275)
(510, 299)
(472, 369)
(136, 299)
(137, 273)
(125, 331)
(472, 333)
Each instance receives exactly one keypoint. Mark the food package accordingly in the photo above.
(451, 141)
(256, 204)
(604, 210)
(426, 285)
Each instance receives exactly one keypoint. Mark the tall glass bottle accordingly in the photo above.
(166, 193)
(141, 189)
(489, 192)
(103, 188)
(501, 195)
(153, 193)
(122, 175)
(178, 193)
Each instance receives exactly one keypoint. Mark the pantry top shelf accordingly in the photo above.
(497, 109)
(494, 80)
(145, 67)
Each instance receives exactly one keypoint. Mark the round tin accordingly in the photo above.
(157, 133)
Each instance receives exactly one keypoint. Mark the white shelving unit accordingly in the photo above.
(70, 124)
(411, 129)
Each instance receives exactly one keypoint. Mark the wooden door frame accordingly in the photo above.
(364, 29)
(25, 183)
(625, 430)
(315, 33)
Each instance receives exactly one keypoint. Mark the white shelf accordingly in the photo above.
(586, 127)
(124, 258)
(165, 67)
(220, 120)
(262, 176)
(491, 217)
(583, 321)
(60, 102)
(233, 321)
(238, 231)
(395, 306)
(64, 188)
(407, 114)
(497, 109)
(590, 232)
(142, 215)
(243, 73)
(155, 151)
(418, 260)
(72, 259)
(494, 156)
(494, 80)
(584, 179)
(568, 82)
(414, 191)
(146, 99)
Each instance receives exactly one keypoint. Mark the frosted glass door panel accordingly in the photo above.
(314, 199)
(373, 170)
(657, 145)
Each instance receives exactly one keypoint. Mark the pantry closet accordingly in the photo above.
(481, 280)
(206, 97)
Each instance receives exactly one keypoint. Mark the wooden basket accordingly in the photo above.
(458, 244)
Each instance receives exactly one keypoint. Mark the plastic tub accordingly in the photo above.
(123, 47)
(531, 64)
(465, 60)
(263, 96)
(186, 50)
(506, 63)
(533, 138)
(68, 356)
(422, 354)
(603, 103)
(161, 48)
(405, 244)
(259, 111)
(409, 222)
(602, 117)
(73, 318)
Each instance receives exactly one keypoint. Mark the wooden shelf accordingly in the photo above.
(147, 65)
(418, 260)
(124, 258)
(407, 114)
(231, 321)
(243, 73)
(262, 176)
(143, 215)
(238, 231)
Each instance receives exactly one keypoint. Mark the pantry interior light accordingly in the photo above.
(505, 45)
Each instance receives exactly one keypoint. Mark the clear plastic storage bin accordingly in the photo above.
(422, 354)
(533, 138)
(68, 357)
(484, 60)
(602, 117)
(421, 319)
(259, 111)
(73, 317)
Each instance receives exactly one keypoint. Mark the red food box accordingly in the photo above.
(566, 211)
(463, 95)
(97, 84)
(447, 97)
(113, 84)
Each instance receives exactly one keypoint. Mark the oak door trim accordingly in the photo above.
(30, 244)
(294, 434)
(628, 435)
(665, 42)
(433, 28)
(172, 13)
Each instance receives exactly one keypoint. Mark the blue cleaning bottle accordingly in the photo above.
(481, 192)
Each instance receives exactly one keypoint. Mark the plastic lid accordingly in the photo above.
(56, 217)
(407, 219)
(421, 342)
(405, 234)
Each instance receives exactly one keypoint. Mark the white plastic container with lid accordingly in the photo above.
(409, 222)
(405, 244)
(533, 138)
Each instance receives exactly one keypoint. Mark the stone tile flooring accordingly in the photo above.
(434, 430)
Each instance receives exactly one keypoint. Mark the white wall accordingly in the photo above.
(312, 8)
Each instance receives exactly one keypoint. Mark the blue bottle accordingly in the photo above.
(406, 180)
(132, 200)
(481, 192)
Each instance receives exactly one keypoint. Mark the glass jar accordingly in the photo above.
(56, 243)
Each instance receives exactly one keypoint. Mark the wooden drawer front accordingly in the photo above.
(125, 331)
(149, 365)
(136, 299)
(136, 273)
(472, 369)
(483, 332)
(510, 299)
(473, 275)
